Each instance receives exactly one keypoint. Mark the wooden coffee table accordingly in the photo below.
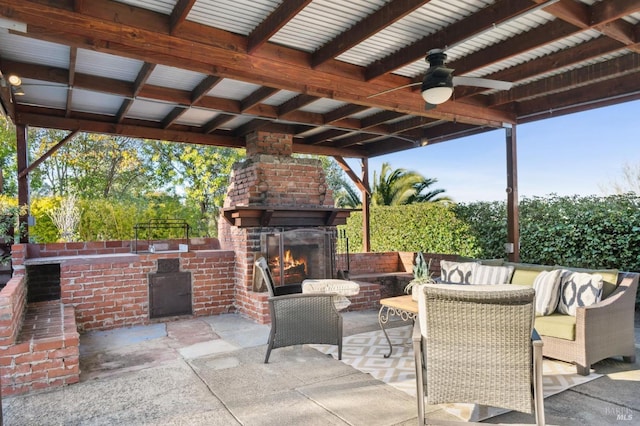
(401, 306)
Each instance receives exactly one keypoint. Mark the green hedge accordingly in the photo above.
(427, 227)
(590, 232)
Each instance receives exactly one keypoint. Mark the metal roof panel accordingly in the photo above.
(106, 65)
(175, 78)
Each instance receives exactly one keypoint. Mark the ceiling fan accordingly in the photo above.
(438, 82)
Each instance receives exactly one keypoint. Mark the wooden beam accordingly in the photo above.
(179, 14)
(256, 97)
(352, 175)
(216, 122)
(295, 103)
(173, 116)
(62, 123)
(342, 112)
(572, 79)
(607, 92)
(498, 12)
(274, 22)
(22, 151)
(46, 155)
(288, 72)
(366, 202)
(204, 87)
(382, 18)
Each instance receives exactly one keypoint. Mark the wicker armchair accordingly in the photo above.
(298, 319)
(476, 344)
(603, 330)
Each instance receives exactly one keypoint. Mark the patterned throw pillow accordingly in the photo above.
(547, 287)
(457, 272)
(484, 274)
(578, 289)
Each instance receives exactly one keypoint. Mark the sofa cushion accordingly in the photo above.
(557, 325)
(547, 287)
(609, 278)
(485, 274)
(526, 273)
(457, 272)
(578, 289)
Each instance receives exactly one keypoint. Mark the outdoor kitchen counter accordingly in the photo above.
(119, 257)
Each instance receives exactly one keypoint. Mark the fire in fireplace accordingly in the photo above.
(299, 254)
(294, 269)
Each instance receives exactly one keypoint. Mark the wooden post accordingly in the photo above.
(513, 224)
(23, 182)
(366, 200)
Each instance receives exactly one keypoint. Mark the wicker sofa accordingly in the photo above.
(602, 330)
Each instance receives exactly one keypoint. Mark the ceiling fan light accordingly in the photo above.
(14, 80)
(437, 95)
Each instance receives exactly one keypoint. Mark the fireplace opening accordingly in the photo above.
(299, 254)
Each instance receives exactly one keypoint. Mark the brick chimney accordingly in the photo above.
(269, 180)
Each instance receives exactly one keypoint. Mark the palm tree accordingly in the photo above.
(401, 186)
(347, 197)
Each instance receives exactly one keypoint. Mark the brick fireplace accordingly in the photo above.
(272, 193)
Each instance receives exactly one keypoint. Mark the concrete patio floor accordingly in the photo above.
(210, 371)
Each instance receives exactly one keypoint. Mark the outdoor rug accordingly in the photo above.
(365, 352)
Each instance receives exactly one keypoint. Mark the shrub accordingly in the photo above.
(426, 227)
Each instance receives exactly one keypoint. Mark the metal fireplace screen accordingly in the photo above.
(299, 254)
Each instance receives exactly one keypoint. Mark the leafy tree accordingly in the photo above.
(401, 186)
(93, 166)
(201, 171)
(8, 167)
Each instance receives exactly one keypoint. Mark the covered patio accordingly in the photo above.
(283, 77)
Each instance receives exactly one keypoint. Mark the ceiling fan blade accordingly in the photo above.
(393, 90)
(482, 82)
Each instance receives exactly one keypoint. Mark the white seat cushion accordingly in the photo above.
(341, 288)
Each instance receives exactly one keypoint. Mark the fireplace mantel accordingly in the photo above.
(258, 216)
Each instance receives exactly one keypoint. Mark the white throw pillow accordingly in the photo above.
(547, 287)
(457, 272)
(486, 274)
(579, 289)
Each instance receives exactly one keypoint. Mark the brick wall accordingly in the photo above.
(369, 263)
(110, 292)
(13, 299)
(44, 362)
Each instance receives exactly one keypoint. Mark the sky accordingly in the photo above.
(577, 154)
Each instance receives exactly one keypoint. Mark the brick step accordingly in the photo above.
(46, 352)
